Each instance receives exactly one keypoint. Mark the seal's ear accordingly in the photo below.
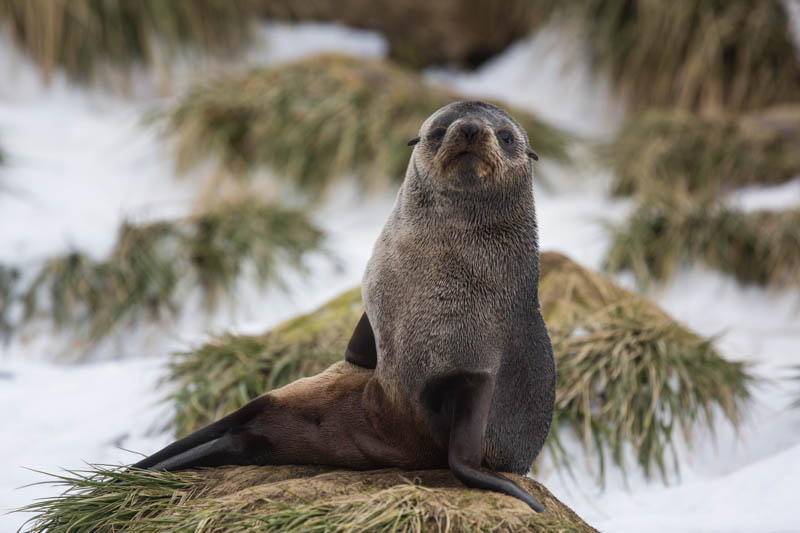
(413, 141)
(532, 155)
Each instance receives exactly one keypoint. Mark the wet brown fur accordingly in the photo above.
(342, 417)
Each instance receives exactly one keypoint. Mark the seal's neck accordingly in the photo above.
(508, 204)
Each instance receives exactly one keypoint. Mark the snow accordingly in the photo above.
(548, 74)
(771, 198)
(287, 42)
(82, 161)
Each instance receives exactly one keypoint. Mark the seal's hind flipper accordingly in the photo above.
(361, 350)
(229, 449)
(217, 444)
(466, 398)
(323, 420)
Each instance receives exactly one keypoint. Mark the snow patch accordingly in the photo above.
(770, 198)
(547, 74)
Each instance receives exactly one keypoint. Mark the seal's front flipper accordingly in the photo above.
(467, 398)
(361, 350)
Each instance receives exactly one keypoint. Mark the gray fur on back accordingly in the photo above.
(452, 282)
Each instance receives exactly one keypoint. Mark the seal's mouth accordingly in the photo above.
(466, 156)
(466, 153)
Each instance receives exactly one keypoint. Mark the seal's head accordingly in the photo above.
(471, 144)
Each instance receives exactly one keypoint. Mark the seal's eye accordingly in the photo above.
(437, 134)
(506, 136)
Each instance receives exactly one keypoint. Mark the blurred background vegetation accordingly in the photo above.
(712, 90)
(319, 119)
(91, 39)
(151, 262)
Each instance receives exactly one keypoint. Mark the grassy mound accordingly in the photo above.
(669, 151)
(85, 36)
(628, 374)
(150, 263)
(692, 55)
(318, 118)
(422, 33)
(761, 247)
(290, 498)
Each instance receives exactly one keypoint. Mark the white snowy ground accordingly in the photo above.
(81, 162)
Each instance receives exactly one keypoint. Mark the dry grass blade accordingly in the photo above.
(86, 36)
(289, 499)
(319, 118)
(612, 349)
(720, 55)
(761, 247)
(151, 263)
(676, 151)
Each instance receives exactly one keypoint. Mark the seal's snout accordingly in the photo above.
(469, 129)
(467, 150)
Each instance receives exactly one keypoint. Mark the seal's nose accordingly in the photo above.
(469, 130)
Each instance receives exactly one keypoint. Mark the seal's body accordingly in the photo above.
(451, 286)
(451, 364)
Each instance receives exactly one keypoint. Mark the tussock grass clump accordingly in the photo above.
(677, 151)
(318, 118)
(224, 374)
(626, 379)
(628, 374)
(692, 55)
(85, 36)
(761, 247)
(150, 263)
(423, 33)
(290, 499)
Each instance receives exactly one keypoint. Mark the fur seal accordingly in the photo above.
(451, 363)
